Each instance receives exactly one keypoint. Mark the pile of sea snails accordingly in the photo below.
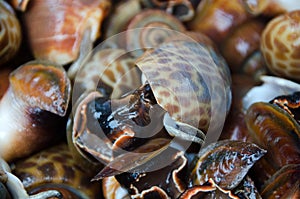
(149, 99)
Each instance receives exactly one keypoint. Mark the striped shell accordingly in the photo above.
(62, 26)
(10, 33)
(280, 45)
(182, 76)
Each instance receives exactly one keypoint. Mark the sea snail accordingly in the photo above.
(10, 32)
(65, 28)
(184, 85)
(32, 108)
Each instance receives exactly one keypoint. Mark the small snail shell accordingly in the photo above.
(32, 108)
(111, 71)
(14, 189)
(119, 17)
(208, 190)
(270, 88)
(55, 169)
(151, 28)
(181, 9)
(217, 18)
(243, 41)
(280, 45)
(64, 26)
(227, 162)
(10, 33)
(271, 7)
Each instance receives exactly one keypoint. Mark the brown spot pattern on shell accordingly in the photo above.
(280, 45)
(111, 71)
(181, 75)
(10, 33)
(55, 168)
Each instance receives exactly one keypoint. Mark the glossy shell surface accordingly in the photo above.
(10, 32)
(62, 27)
(182, 75)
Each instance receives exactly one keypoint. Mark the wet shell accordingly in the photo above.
(216, 18)
(10, 33)
(284, 183)
(55, 169)
(275, 130)
(226, 162)
(280, 45)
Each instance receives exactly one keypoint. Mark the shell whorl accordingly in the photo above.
(10, 33)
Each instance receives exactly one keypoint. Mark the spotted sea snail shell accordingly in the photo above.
(10, 33)
(280, 45)
(111, 71)
(181, 75)
(55, 169)
(32, 109)
(63, 26)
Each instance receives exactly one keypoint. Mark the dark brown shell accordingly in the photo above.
(275, 130)
(227, 162)
(285, 183)
(145, 181)
(209, 190)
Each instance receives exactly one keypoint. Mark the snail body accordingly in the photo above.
(10, 32)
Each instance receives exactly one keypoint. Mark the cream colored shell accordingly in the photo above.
(187, 81)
